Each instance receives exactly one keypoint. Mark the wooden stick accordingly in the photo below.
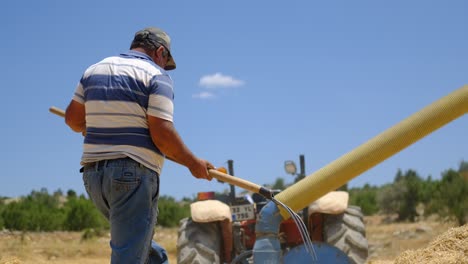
(57, 111)
(235, 181)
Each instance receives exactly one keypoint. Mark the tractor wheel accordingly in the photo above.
(198, 242)
(347, 232)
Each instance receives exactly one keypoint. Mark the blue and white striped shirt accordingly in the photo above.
(118, 93)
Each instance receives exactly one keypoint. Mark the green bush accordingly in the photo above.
(37, 212)
(171, 212)
(40, 211)
(2, 207)
(366, 198)
(82, 214)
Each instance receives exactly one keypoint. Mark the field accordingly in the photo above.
(387, 240)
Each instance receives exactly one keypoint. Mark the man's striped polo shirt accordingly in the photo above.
(118, 92)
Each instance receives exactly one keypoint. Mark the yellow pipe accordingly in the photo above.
(374, 151)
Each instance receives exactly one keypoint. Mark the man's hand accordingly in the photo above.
(75, 117)
(199, 169)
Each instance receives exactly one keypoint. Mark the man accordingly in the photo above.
(124, 107)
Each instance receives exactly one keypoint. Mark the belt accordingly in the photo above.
(127, 162)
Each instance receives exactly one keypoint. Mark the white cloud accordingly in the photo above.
(219, 80)
(203, 95)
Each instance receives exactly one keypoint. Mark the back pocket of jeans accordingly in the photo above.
(125, 179)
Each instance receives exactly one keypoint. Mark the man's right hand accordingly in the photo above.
(199, 169)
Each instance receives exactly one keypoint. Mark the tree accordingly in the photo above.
(58, 193)
(452, 196)
(463, 169)
(71, 194)
(279, 184)
(428, 190)
(412, 182)
(402, 196)
(399, 176)
(390, 197)
(2, 207)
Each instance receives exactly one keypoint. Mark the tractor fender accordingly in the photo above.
(210, 211)
(331, 203)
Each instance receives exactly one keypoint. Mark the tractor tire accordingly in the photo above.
(198, 243)
(347, 232)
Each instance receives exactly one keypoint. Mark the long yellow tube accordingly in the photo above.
(374, 151)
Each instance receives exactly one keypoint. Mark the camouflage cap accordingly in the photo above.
(157, 37)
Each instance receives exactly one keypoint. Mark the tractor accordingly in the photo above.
(221, 228)
(258, 229)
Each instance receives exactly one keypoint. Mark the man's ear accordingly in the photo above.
(160, 51)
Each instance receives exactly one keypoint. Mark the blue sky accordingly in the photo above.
(258, 82)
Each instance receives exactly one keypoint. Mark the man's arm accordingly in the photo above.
(168, 140)
(75, 116)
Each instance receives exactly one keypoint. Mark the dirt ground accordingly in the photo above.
(387, 240)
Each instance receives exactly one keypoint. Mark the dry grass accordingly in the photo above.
(387, 242)
(167, 238)
(68, 247)
(56, 247)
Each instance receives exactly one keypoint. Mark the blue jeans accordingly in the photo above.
(127, 193)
